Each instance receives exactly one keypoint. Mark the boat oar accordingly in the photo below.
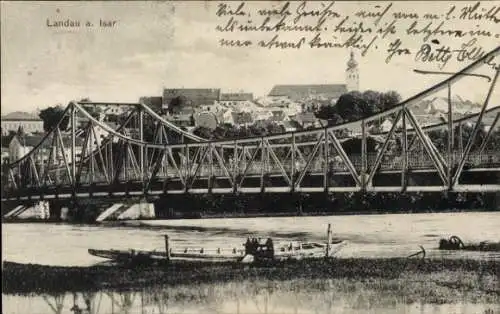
(422, 252)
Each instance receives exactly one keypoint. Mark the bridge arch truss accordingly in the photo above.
(100, 160)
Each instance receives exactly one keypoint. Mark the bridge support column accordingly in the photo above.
(364, 157)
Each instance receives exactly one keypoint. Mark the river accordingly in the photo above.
(367, 236)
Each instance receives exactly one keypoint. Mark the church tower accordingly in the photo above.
(352, 74)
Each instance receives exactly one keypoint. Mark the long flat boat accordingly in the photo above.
(254, 251)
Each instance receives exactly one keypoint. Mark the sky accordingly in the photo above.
(157, 45)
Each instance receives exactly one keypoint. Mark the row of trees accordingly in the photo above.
(356, 105)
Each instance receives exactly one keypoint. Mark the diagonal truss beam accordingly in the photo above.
(199, 164)
(82, 155)
(380, 155)
(477, 126)
(154, 172)
(277, 161)
(352, 170)
(429, 147)
(63, 152)
(488, 135)
(309, 160)
(222, 165)
(249, 163)
(99, 152)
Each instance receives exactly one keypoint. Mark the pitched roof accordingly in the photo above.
(291, 124)
(236, 96)
(180, 117)
(242, 117)
(19, 115)
(197, 96)
(206, 119)
(296, 92)
(277, 115)
(306, 117)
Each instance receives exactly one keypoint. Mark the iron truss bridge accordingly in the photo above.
(84, 157)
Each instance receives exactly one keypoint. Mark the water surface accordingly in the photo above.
(367, 236)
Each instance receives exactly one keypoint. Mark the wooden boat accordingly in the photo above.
(262, 252)
(255, 250)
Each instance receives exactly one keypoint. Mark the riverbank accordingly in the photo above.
(255, 214)
(430, 280)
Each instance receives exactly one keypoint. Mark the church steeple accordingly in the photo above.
(352, 74)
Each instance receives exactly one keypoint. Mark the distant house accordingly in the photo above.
(21, 145)
(242, 118)
(262, 115)
(307, 120)
(227, 116)
(185, 120)
(302, 92)
(290, 125)
(29, 122)
(193, 96)
(278, 116)
(206, 119)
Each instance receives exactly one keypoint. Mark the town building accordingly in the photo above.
(206, 120)
(182, 119)
(290, 125)
(194, 97)
(30, 123)
(20, 145)
(331, 92)
(236, 97)
(307, 120)
(305, 92)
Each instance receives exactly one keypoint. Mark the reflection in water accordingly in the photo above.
(244, 297)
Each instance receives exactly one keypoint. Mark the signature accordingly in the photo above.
(434, 52)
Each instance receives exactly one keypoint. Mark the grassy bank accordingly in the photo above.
(436, 281)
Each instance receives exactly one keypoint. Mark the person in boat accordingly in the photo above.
(255, 245)
(270, 247)
(248, 246)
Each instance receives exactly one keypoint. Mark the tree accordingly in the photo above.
(326, 112)
(204, 132)
(51, 117)
(355, 105)
(176, 103)
(389, 100)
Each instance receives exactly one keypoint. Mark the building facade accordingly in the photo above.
(302, 92)
(189, 96)
(30, 123)
(20, 146)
